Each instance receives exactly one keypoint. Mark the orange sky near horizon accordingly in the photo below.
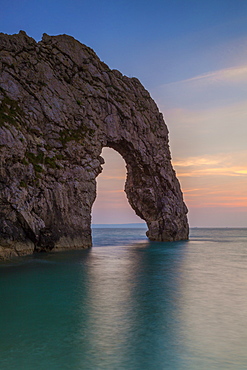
(215, 196)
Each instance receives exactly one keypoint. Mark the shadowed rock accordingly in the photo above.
(59, 106)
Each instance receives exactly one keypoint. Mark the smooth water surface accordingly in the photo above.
(128, 303)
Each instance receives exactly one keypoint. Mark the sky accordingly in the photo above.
(191, 55)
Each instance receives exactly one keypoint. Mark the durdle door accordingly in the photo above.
(59, 106)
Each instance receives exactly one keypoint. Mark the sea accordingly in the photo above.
(128, 303)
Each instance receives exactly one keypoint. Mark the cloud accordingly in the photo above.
(213, 180)
(212, 171)
(196, 161)
(214, 89)
(221, 163)
(236, 74)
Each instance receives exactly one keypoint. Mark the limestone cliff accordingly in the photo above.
(59, 106)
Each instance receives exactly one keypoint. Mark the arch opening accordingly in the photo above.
(111, 205)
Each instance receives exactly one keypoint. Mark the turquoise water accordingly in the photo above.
(128, 304)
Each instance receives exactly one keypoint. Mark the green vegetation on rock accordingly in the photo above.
(10, 112)
(77, 135)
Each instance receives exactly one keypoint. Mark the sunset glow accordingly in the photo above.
(111, 205)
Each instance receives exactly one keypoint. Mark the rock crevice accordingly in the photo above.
(59, 106)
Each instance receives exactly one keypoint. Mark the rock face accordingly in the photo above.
(59, 106)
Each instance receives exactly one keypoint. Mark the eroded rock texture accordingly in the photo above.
(60, 105)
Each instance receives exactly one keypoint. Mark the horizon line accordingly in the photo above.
(191, 227)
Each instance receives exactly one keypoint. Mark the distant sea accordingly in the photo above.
(128, 303)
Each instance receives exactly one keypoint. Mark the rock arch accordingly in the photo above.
(152, 191)
(60, 105)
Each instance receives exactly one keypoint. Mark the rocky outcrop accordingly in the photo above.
(60, 105)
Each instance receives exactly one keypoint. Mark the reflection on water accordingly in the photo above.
(109, 300)
(129, 304)
(133, 305)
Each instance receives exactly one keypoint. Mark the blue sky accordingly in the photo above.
(192, 57)
(168, 40)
